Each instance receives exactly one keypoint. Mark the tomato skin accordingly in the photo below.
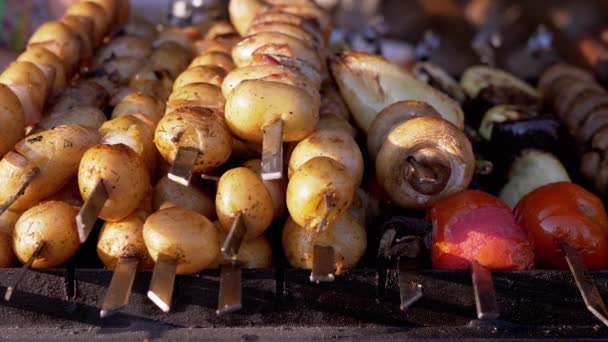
(565, 212)
(473, 225)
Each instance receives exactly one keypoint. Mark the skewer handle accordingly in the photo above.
(272, 151)
(584, 282)
(230, 296)
(181, 170)
(485, 295)
(323, 264)
(24, 269)
(119, 291)
(86, 217)
(163, 281)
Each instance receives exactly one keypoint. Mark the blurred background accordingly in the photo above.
(520, 36)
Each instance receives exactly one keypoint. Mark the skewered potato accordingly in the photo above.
(170, 57)
(49, 64)
(85, 93)
(255, 104)
(196, 95)
(320, 189)
(336, 145)
(369, 83)
(84, 27)
(54, 223)
(240, 190)
(174, 35)
(300, 65)
(139, 103)
(124, 239)
(168, 193)
(55, 152)
(200, 74)
(96, 13)
(347, 236)
(111, 7)
(196, 127)
(182, 234)
(31, 87)
(253, 253)
(12, 120)
(60, 40)
(330, 122)
(134, 133)
(275, 187)
(243, 12)
(123, 173)
(220, 59)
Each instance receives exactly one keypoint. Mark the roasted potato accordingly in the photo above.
(168, 193)
(12, 120)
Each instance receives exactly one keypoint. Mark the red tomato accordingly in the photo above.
(476, 226)
(565, 212)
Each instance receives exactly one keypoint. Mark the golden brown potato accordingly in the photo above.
(55, 152)
(220, 59)
(133, 132)
(336, 145)
(54, 223)
(196, 95)
(241, 190)
(243, 12)
(255, 104)
(195, 127)
(125, 46)
(111, 7)
(124, 239)
(330, 122)
(310, 11)
(220, 28)
(319, 181)
(370, 83)
(12, 120)
(138, 102)
(123, 173)
(31, 87)
(170, 57)
(84, 27)
(175, 35)
(60, 40)
(96, 13)
(314, 40)
(275, 187)
(85, 93)
(88, 117)
(270, 73)
(347, 236)
(273, 43)
(200, 74)
(185, 235)
(49, 64)
(168, 193)
(223, 43)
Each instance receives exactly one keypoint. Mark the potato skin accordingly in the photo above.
(214, 58)
(308, 186)
(254, 104)
(86, 116)
(185, 235)
(202, 73)
(168, 193)
(101, 22)
(44, 59)
(53, 222)
(12, 120)
(196, 127)
(196, 95)
(140, 103)
(133, 132)
(30, 85)
(337, 145)
(124, 238)
(254, 253)
(55, 152)
(347, 236)
(275, 187)
(7, 223)
(124, 174)
(241, 190)
(60, 40)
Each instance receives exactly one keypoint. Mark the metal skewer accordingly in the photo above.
(272, 151)
(230, 294)
(325, 219)
(119, 291)
(409, 291)
(181, 169)
(584, 282)
(163, 281)
(323, 264)
(24, 269)
(26, 180)
(86, 217)
(485, 295)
